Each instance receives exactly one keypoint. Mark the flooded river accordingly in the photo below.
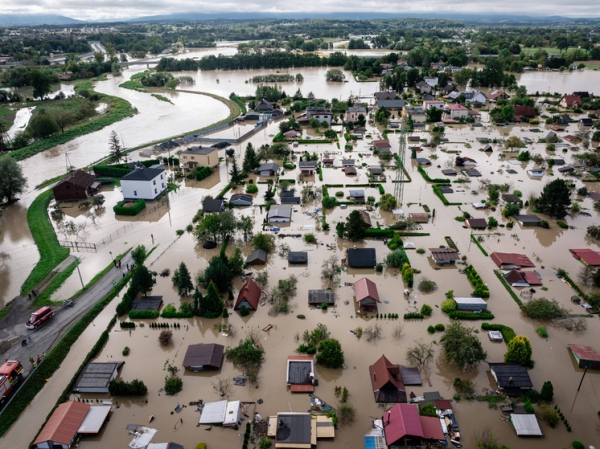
(548, 248)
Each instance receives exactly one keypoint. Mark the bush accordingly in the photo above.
(309, 238)
(203, 173)
(201, 445)
(577, 445)
(143, 314)
(244, 311)
(427, 286)
(440, 327)
(448, 306)
(562, 224)
(481, 290)
(126, 351)
(173, 385)
(330, 354)
(413, 316)
(339, 194)
(135, 209)
(431, 330)
(528, 407)
(519, 351)
(110, 171)
(544, 309)
(389, 233)
(121, 388)
(329, 202)
(547, 392)
(426, 310)
(460, 315)
(421, 251)
(549, 415)
(251, 188)
(542, 332)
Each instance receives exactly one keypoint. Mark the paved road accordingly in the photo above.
(44, 337)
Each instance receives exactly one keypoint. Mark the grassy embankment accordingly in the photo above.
(7, 117)
(118, 109)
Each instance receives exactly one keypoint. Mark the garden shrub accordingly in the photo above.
(135, 209)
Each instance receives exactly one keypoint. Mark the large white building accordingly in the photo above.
(144, 183)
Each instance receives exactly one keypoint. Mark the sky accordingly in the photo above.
(124, 9)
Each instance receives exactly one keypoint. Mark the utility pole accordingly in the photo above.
(78, 260)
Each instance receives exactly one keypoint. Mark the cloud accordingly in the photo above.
(124, 9)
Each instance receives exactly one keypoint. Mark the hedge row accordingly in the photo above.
(389, 233)
(203, 173)
(441, 196)
(462, 315)
(125, 304)
(479, 245)
(137, 207)
(413, 316)
(507, 332)
(225, 190)
(381, 189)
(481, 290)
(110, 171)
(143, 314)
(433, 180)
(507, 287)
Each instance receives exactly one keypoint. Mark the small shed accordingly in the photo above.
(94, 420)
(585, 356)
(511, 198)
(476, 223)
(513, 378)
(203, 356)
(411, 376)
(422, 161)
(528, 220)
(442, 256)
(233, 414)
(79, 185)
(297, 257)
(470, 304)
(366, 294)
(215, 206)
(257, 257)
(473, 173)
(350, 171)
(418, 217)
(526, 425)
(318, 297)
(357, 195)
(96, 377)
(213, 412)
(63, 426)
(300, 373)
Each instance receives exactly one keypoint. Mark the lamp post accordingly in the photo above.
(110, 252)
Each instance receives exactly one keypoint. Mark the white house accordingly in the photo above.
(320, 113)
(144, 183)
(474, 96)
(431, 80)
(456, 111)
(428, 104)
(280, 213)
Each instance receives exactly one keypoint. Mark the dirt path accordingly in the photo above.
(43, 339)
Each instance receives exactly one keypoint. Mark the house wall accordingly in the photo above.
(52, 445)
(320, 117)
(67, 191)
(144, 190)
(279, 220)
(458, 114)
(353, 116)
(204, 160)
(244, 303)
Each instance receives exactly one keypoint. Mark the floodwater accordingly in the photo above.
(22, 117)
(548, 248)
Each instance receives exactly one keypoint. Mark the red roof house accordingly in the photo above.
(587, 256)
(524, 111)
(506, 260)
(366, 294)
(382, 145)
(63, 426)
(570, 101)
(386, 381)
(586, 356)
(249, 296)
(522, 278)
(432, 429)
(402, 426)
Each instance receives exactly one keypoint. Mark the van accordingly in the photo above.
(39, 317)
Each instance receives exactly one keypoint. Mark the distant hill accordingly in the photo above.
(12, 20)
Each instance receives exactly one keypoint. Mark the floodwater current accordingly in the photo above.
(548, 248)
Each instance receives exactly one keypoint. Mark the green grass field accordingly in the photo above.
(7, 117)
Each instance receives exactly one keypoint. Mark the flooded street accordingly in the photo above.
(157, 226)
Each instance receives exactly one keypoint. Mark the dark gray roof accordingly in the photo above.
(263, 105)
(271, 166)
(257, 254)
(349, 162)
(206, 355)
(528, 218)
(432, 395)
(147, 303)
(287, 194)
(446, 189)
(293, 428)
(357, 193)
(297, 257)
(449, 172)
(362, 257)
(213, 205)
(390, 104)
(199, 150)
(321, 296)
(357, 109)
(566, 169)
(96, 375)
(518, 373)
(472, 172)
(307, 164)
(144, 174)
(559, 161)
(376, 170)
(511, 198)
(241, 197)
(411, 376)
(290, 200)
(423, 161)
(299, 372)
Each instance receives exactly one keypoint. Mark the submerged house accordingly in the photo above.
(508, 261)
(203, 356)
(366, 294)
(257, 257)
(585, 356)
(79, 185)
(299, 430)
(528, 220)
(522, 278)
(513, 378)
(300, 373)
(387, 381)
(318, 297)
(249, 296)
(362, 257)
(298, 257)
(403, 427)
(280, 213)
(587, 256)
(144, 183)
(96, 377)
(442, 256)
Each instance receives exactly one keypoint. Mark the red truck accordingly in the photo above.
(10, 375)
(39, 317)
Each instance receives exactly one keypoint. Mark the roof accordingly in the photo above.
(362, 257)
(280, 210)
(357, 109)
(211, 205)
(357, 193)
(349, 162)
(526, 111)
(365, 288)
(585, 353)
(476, 301)
(528, 218)
(391, 104)
(444, 254)
(587, 256)
(586, 122)
(143, 174)
(64, 423)
(213, 412)
(526, 425)
(79, 178)
(299, 369)
(350, 170)
(386, 381)
(511, 198)
(307, 164)
(400, 421)
(442, 404)
(518, 260)
(257, 254)
(201, 354)
(290, 200)
(321, 296)
(503, 372)
(263, 105)
(571, 99)
(456, 107)
(293, 428)
(432, 429)
(376, 170)
(94, 419)
(411, 376)
(381, 144)
(422, 161)
(199, 150)
(297, 257)
(250, 292)
(271, 166)
(366, 218)
(385, 95)
(97, 375)
(241, 197)
(477, 222)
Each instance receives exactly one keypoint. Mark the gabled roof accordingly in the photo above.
(526, 425)
(511, 198)
(280, 210)
(528, 218)
(525, 111)
(350, 170)
(364, 289)
(271, 166)
(215, 205)
(390, 104)
(571, 99)
(386, 95)
(143, 174)
(587, 256)
(386, 381)
(348, 162)
(79, 178)
(250, 292)
(518, 260)
(321, 296)
(64, 423)
(199, 150)
(357, 109)
(241, 197)
(307, 164)
(263, 105)
(381, 144)
(456, 107)
(401, 421)
(477, 222)
(297, 257)
(207, 355)
(432, 429)
(362, 257)
(585, 354)
(511, 375)
(444, 254)
(258, 254)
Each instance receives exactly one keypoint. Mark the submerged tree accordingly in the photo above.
(555, 199)
(183, 280)
(116, 149)
(461, 345)
(12, 181)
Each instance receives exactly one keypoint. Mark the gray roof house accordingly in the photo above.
(241, 199)
(422, 161)
(391, 105)
(289, 198)
(297, 257)
(257, 257)
(280, 213)
(269, 169)
(357, 195)
(307, 167)
(203, 356)
(215, 206)
(321, 297)
(96, 376)
(263, 106)
(362, 257)
(348, 162)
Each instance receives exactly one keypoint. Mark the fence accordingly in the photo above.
(232, 141)
(79, 246)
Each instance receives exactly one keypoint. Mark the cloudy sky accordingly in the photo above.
(120, 9)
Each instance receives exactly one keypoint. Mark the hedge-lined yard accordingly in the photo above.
(137, 207)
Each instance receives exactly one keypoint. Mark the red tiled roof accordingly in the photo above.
(530, 277)
(456, 107)
(302, 388)
(383, 372)
(513, 277)
(400, 421)
(587, 256)
(571, 99)
(527, 111)
(432, 429)
(585, 352)
(380, 144)
(442, 404)
(519, 260)
(64, 423)
(250, 292)
(365, 288)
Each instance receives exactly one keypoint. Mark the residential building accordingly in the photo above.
(241, 199)
(366, 295)
(586, 123)
(382, 145)
(418, 217)
(403, 427)
(524, 111)
(300, 373)
(513, 378)
(456, 112)
(385, 95)
(422, 161)
(424, 87)
(257, 257)
(474, 97)
(353, 112)
(79, 185)
(96, 377)
(518, 278)
(428, 104)
(431, 80)
(528, 220)
(194, 157)
(571, 101)
(291, 134)
(390, 105)
(264, 106)
(506, 260)
(215, 206)
(288, 197)
(361, 257)
(476, 223)
(497, 95)
(387, 382)
(348, 162)
(307, 167)
(587, 256)
(249, 295)
(357, 195)
(203, 356)
(269, 169)
(318, 297)
(442, 256)
(319, 113)
(416, 113)
(62, 428)
(144, 183)
(280, 213)
(299, 430)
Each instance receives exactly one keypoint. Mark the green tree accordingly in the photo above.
(428, 410)
(235, 173)
(519, 351)
(330, 354)
(217, 273)
(139, 254)
(555, 199)
(395, 259)
(264, 241)
(41, 83)
(142, 280)
(208, 229)
(42, 126)
(211, 305)
(246, 226)
(12, 181)
(387, 202)
(62, 118)
(116, 149)
(547, 392)
(355, 226)
(250, 160)
(183, 280)
(434, 115)
(461, 345)
(236, 262)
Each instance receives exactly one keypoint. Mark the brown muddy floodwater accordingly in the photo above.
(548, 248)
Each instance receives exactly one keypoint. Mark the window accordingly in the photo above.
(155, 191)
(154, 182)
(193, 157)
(135, 193)
(163, 185)
(161, 176)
